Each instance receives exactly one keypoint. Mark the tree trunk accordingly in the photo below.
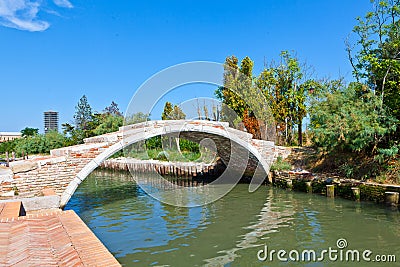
(300, 133)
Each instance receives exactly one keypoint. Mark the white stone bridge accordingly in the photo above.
(67, 167)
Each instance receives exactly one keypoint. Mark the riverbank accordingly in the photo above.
(310, 174)
(301, 180)
(334, 186)
(174, 169)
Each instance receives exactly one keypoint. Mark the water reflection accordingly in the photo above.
(142, 231)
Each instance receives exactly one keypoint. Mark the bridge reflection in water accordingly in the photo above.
(139, 230)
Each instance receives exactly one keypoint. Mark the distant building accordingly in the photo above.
(9, 136)
(50, 121)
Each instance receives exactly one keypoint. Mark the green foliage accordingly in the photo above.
(27, 131)
(376, 55)
(40, 143)
(280, 165)
(154, 143)
(108, 123)
(172, 112)
(88, 124)
(230, 92)
(8, 146)
(83, 114)
(284, 87)
(137, 118)
(167, 111)
(345, 121)
(188, 146)
(243, 101)
(160, 154)
(185, 145)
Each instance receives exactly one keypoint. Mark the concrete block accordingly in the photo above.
(38, 203)
(23, 166)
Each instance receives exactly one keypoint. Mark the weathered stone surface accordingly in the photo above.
(39, 203)
(23, 166)
(6, 175)
(8, 194)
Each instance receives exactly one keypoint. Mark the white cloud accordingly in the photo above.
(63, 3)
(23, 14)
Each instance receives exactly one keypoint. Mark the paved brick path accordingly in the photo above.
(58, 238)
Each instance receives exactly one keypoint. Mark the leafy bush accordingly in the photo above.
(40, 144)
(187, 145)
(280, 165)
(154, 143)
(348, 119)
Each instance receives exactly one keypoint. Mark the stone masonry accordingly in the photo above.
(65, 168)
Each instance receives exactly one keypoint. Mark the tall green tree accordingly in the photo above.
(112, 109)
(167, 110)
(376, 55)
(285, 87)
(375, 58)
(172, 112)
(177, 113)
(83, 114)
(240, 98)
(228, 95)
(108, 123)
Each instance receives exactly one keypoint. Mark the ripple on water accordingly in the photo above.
(139, 230)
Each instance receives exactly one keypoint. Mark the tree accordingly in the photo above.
(137, 118)
(287, 95)
(113, 109)
(227, 92)
(167, 110)
(376, 55)
(108, 123)
(177, 114)
(27, 131)
(83, 114)
(375, 58)
(342, 121)
(239, 96)
(40, 143)
(172, 112)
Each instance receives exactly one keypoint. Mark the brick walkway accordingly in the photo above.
(58, 238)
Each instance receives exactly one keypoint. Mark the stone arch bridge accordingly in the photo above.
(67, 167)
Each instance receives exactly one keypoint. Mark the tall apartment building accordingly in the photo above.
(50, 121)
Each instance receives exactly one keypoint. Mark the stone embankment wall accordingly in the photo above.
(344, 188)
(174, 169)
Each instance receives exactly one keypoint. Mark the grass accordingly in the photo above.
(280, 165)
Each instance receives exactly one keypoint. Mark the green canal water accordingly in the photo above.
(141, 231)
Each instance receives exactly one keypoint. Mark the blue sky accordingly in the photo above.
(54, 51)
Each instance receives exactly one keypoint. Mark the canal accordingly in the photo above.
(141, 231)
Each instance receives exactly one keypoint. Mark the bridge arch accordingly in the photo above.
(142, 131)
